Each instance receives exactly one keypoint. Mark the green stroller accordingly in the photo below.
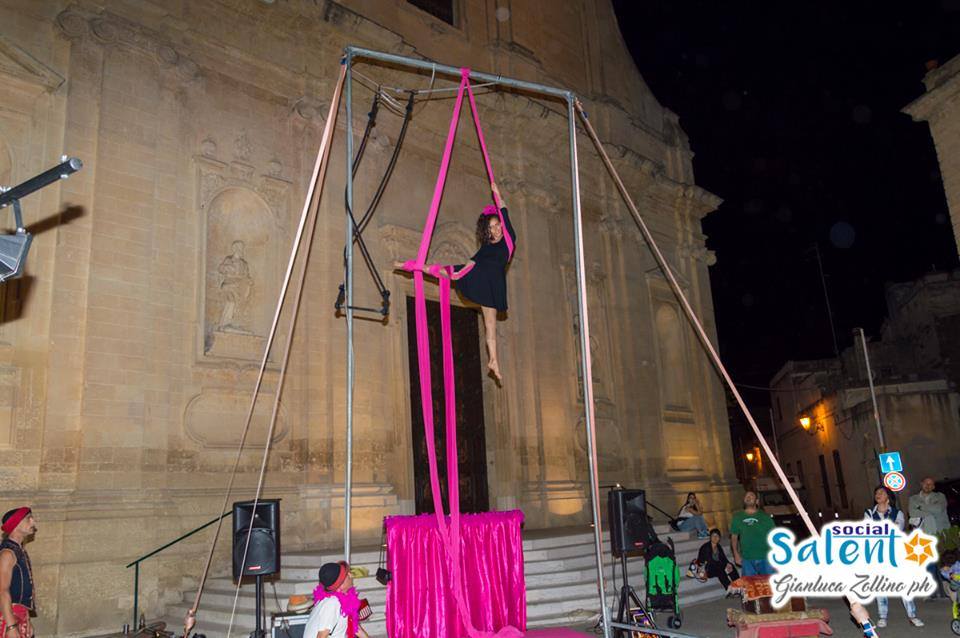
(663, 580)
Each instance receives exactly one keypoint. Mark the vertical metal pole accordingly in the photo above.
(348, 284)
(136, 595)
(873, 394)
(587, 368)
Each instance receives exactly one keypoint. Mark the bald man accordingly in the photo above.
(928, 511)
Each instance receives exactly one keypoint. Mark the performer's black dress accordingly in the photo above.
(486, 283)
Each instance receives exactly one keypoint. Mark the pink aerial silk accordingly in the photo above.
(420, 596)
(450, 536)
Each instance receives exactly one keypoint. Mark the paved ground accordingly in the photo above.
(709, 619)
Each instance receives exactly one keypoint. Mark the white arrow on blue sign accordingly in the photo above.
(890, 462)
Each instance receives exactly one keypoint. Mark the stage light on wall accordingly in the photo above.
(805, 423)
(750, 456)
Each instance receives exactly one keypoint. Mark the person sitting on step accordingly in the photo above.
(690, 517)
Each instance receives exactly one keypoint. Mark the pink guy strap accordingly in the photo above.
(451, 536)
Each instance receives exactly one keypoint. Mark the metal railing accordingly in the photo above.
(136, 564)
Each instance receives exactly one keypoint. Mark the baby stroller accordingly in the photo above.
(663, 581)
(954, 585)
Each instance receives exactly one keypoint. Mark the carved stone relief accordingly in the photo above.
(215, 418)
(242, 239)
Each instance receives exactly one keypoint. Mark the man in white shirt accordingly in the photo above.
(335, 614)
(928, 511)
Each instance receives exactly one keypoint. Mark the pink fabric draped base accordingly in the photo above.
(421, 601)
(494, 608)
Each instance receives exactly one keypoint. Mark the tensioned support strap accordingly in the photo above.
(449, 536)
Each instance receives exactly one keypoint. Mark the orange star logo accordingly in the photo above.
(918, 549)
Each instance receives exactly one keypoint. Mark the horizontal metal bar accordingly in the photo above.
(352, 52)
(365, 309)
(63, 170)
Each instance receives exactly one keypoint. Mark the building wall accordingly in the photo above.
(919, 419)
(940, 108)
(126, 374)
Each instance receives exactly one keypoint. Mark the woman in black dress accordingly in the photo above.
(483, 279)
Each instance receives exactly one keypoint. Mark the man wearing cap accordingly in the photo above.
(16, 576)
(337, 612)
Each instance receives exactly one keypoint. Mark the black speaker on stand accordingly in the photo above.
(630, 534)
(262, 528)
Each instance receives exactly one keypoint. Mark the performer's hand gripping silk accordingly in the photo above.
(483, 279)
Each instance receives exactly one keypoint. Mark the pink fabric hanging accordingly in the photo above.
(494, 602)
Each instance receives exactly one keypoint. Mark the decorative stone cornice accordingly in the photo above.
(111, 30)
(17, 62)
(943, 88)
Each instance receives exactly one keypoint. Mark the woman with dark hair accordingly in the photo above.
(713, 559)
(690, 517)
(885, 510)
(483, 279)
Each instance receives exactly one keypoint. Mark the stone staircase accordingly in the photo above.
(559, 566)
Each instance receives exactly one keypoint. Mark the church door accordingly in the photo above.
(471, 438)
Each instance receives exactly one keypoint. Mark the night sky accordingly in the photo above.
(793, 112)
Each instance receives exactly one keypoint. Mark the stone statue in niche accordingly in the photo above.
(236, 287)
(240, 274)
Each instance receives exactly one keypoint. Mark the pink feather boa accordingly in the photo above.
(349, 606)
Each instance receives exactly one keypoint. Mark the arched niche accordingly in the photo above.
(240, 273)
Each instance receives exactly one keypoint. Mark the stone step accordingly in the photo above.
(560, 575)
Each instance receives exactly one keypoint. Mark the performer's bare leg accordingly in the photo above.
(490, 332)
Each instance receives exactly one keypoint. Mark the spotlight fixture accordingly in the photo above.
(14, 247)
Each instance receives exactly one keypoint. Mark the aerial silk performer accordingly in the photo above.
(474, 584)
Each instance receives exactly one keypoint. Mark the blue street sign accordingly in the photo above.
(890, 462)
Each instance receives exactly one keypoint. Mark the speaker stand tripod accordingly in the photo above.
(629, 595)
(258, 631)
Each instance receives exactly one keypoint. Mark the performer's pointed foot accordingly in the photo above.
(494, 369)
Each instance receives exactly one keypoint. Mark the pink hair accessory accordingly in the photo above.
(490, 210)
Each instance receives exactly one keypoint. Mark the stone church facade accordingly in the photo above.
(129, 350)
(939, 107)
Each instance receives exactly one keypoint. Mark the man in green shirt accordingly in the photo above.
(748, 537)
